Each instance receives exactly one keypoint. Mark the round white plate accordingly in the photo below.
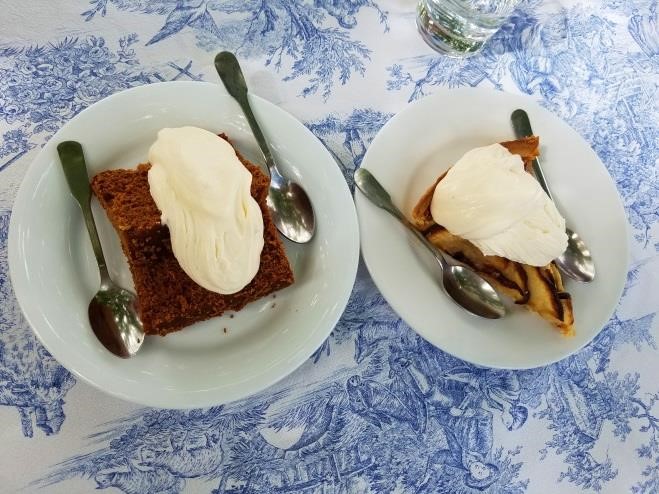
(421, 142)
(54, 274)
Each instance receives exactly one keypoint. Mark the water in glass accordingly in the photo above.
(461, 27)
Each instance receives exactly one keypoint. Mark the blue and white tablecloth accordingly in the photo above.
(375, 409)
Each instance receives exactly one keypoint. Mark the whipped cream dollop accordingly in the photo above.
(203, 193)
(488, 199)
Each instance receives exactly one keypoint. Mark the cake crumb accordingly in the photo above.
(273, 306)
(231, 316)
(225, 330)
(274, 295)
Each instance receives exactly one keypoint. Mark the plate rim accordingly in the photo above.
(20, 285)
(361, 202)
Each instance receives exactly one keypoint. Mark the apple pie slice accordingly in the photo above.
(540, 289)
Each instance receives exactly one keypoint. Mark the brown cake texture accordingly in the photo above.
(540, 289)
(168, 299)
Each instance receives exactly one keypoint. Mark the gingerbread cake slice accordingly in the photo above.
(168, 299)
(540, 289)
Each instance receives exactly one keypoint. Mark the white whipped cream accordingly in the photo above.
(203, 193)
(488, 199)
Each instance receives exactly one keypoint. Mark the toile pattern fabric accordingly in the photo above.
(376, 409)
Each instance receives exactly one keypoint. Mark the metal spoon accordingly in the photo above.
(463, 285)
(289, 204)
(112, 313)
(576, 262)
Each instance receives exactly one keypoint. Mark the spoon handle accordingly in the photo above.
(522, 128)
(75, 171)
(374, 191)
(228, 69)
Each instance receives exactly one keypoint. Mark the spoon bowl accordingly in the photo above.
(576, 261)
(289, 204)
(465, 287)
(291, 210)
(112, 312)
(472, 292)
(114, 320)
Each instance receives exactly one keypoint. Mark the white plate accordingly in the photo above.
(54, 274)
(422, 141)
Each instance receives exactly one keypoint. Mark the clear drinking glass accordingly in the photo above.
(460, 28)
